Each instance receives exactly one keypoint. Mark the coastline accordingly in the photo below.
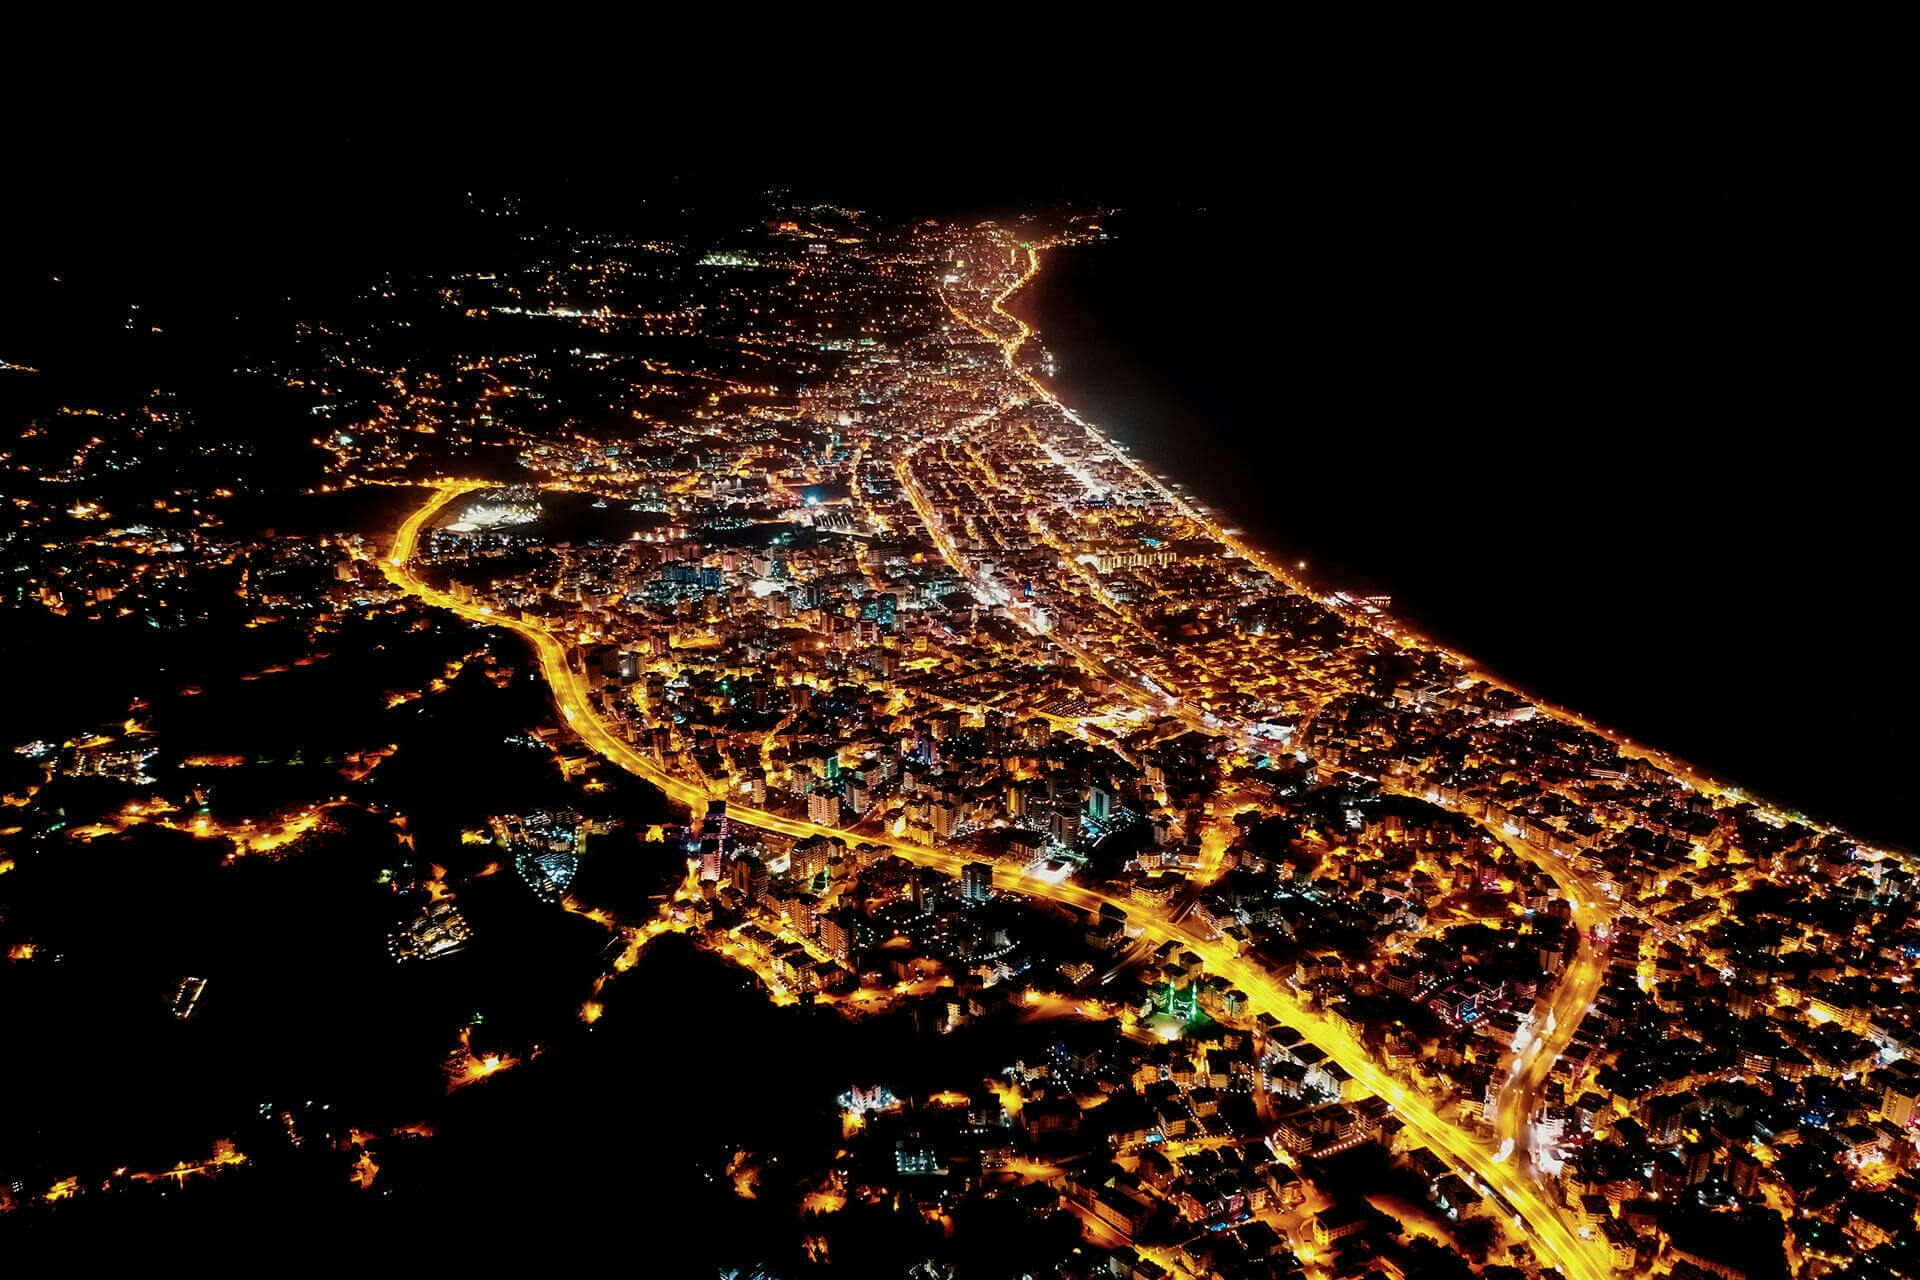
(1177, 468)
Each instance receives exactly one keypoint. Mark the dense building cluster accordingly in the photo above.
(1299, 946)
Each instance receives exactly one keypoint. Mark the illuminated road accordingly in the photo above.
(1022, 331)
(1573, 995)
(1578, 1259)
(1519, 1097)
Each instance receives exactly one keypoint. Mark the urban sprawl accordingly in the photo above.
(963, 712)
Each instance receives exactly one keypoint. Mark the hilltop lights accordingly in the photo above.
(570, 692)
(917, 649)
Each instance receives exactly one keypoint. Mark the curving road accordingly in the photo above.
(1533, 1060)
(1576, 1258)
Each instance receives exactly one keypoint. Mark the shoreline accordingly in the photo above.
(1401, 631)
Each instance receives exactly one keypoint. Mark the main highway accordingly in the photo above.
(1578, 1259)
(1534, 1057)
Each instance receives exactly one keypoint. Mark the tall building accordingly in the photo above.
(976, 882)
(749, 876)
(823, 807)
(859, 794)
(810, 857)
(836, 935)
(1900, 1095)
(1063, 826)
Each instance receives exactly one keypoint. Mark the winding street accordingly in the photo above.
(1576, 1258)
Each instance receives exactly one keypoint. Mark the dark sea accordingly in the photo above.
(1646, 474)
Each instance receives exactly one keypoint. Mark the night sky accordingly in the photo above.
(1608, 403)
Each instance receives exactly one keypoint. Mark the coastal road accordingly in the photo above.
(1533, 1061)
(1573, 996)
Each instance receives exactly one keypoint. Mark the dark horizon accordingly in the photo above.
(1679, 355)
(574, 683)
(1591, 468)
